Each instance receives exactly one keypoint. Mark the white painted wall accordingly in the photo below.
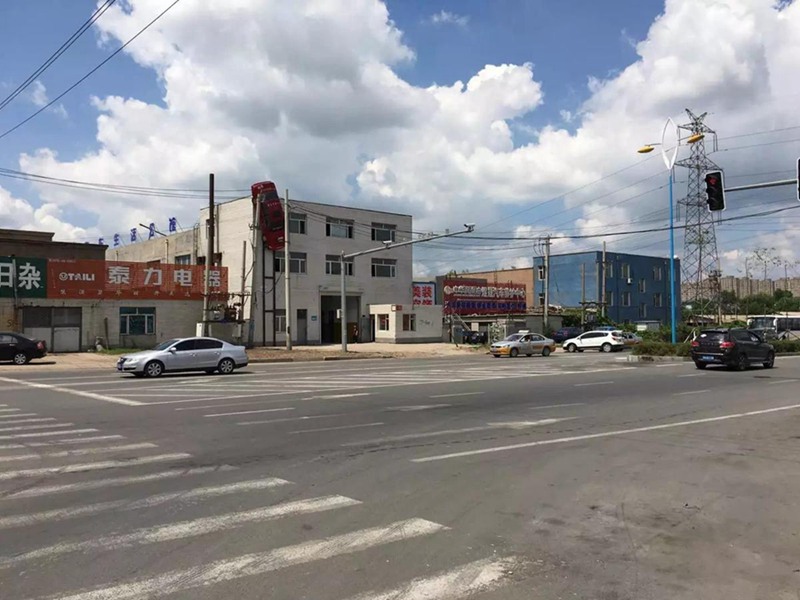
(428, 322)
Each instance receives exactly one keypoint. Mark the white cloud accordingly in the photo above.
(323, 111)
(39, 94)
(16, 213)
(444, 17)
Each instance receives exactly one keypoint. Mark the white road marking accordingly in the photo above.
(116, 481)
(556, 405)
(618, 432)
(460, 394)
(782, 381)
(288, 419)
(186, 529)
(670, 365)
(426, 434)
(337, 396)
(689, 375)
(29, 427)
(376, 424)
(18, 415)
(249, 412)
(59, 442)
(61, 514)
(691, 393)
(414, 408)
(477, 576)
(6, 410)
(79, 452)
(259, 563)
(593, 383)
(96, 466)
(15, 436)
(19, 421)
(65, 390)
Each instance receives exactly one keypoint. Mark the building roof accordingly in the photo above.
(21, 236)
(375, 210)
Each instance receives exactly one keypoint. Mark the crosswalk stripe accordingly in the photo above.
(116, 481)
(14, 436)
(249, 412)
(29, 427)
(467, 579)
(94, 438)
(186, 529)
(7, 410)
(259, 563)
(79, 452)
(96, 466)
(61, 514)
(20, 421)
(18, 415)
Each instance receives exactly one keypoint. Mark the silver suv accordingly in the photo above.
(185, 354)
(605, 341)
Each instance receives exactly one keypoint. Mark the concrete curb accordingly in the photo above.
(312, 359)
(646, 358)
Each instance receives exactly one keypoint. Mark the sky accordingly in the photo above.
(521, 116)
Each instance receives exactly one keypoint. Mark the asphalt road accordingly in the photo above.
(573, 476)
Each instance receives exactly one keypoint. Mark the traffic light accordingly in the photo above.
(715, 190)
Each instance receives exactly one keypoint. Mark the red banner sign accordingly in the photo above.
(131, 281)
(475, 297)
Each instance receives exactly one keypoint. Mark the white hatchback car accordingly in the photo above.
(605, 341)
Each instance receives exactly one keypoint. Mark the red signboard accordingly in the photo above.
(271, 217)
(131, 281)
(424, 293)
(478, 297)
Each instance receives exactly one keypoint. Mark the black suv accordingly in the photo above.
(566, 333)
(735, 348)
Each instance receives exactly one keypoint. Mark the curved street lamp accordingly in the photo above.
(669, 162)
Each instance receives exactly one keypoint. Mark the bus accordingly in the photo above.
(784, 326)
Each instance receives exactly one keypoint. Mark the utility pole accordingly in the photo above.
(209, 250)
(242, 291)
(287, 288)
(583, 294)
(469, 228)
(603, 284)
(545, 315)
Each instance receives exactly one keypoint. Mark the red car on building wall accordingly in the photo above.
(270, 210)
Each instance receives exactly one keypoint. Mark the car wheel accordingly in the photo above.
(226, 366)
(741, 364)
(572, 348)
(20, 358)
(700, 366)
(154, 369)
(545, 351)
(770, 362)
(605, 347)
(513, 353)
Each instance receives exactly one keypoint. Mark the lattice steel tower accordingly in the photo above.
(700, 264)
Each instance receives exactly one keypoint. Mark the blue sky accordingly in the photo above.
(559, 98)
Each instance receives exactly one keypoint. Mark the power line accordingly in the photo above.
(89, 74)
(57, 54)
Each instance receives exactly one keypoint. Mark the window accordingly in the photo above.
(383, 322)
(183, 259)
(609, 298)
(642, 310)
(540, 272)
(207, 344)
(541, 299)
(280, 320)
(384, 267)
(593, 334)
(186, 346)
(137, 321)
(338, 228)
(297, 262)
(658, 300)
(626, 298)
(625, 271)
(642, 286)
(658, 273)
(382, 232)
(409, 322)
(333, 265)
(609, 270)
(297, 223)
(7, 339)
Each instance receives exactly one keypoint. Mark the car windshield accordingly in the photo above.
(513, 338)
(712, 336)
(165, 345)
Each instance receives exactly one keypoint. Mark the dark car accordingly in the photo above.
(734, 348)
(20, 349)
(566, 333)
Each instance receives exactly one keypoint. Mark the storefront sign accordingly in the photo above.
(472, 297)
(424, 293)
(23, 277)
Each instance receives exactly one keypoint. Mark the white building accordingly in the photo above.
(318, 234)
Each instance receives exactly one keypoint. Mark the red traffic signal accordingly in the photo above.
(715, 191)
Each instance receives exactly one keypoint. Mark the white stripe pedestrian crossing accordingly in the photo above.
(261, 563)
(186, 529)
(8, 410)
(17, 415)
(14, 436)
(78, 452)
(29, 427)
(20, 421)
(62, 514)
(86, 440)
(96, 466)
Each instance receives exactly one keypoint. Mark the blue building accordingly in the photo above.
(637, 288)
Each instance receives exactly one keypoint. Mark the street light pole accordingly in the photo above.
(469, 227)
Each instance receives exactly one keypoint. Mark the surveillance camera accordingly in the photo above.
(469, 225)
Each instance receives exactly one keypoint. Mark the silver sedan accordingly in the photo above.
(185, 354)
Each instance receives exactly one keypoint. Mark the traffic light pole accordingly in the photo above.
(386, 246)
(758, 186)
